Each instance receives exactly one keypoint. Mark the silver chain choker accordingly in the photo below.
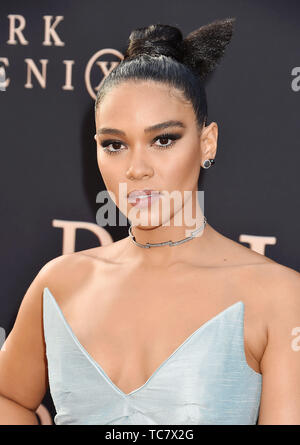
(167, 243)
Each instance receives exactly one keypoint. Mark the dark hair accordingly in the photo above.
(159, 52)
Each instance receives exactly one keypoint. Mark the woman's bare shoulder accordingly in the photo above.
(272, 295)
(64, 275)
(268, 286)
(272, 277)
(282, 284)
(265, 279)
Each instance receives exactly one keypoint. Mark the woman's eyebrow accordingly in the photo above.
(160, 126)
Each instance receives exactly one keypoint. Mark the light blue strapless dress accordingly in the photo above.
(205, 381)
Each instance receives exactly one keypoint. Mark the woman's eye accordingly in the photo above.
(107, 144)
(164, 138)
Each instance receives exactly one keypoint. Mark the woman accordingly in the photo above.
(174, 324)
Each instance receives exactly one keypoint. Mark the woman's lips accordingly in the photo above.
(142, 201)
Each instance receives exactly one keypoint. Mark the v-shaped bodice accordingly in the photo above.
(205, 381)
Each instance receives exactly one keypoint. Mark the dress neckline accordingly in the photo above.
(238, 304)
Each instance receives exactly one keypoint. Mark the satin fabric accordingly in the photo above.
(205, 381)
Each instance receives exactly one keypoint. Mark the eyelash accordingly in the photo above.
(172, 136)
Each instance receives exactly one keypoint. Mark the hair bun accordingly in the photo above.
(156, 40)
(200, 50)
(204, 47)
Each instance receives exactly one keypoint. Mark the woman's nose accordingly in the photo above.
(139, 168)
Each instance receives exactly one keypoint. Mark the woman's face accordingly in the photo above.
(162, 159)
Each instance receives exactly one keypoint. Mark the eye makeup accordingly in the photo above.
(172, 136)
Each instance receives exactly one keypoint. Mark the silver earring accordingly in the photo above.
(208, 162)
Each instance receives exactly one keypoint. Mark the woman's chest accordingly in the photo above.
(132, 327)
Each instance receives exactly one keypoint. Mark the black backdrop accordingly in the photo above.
(49, 175)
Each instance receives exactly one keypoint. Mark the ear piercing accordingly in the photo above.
(208, 162)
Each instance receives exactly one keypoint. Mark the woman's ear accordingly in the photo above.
(209, 139)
